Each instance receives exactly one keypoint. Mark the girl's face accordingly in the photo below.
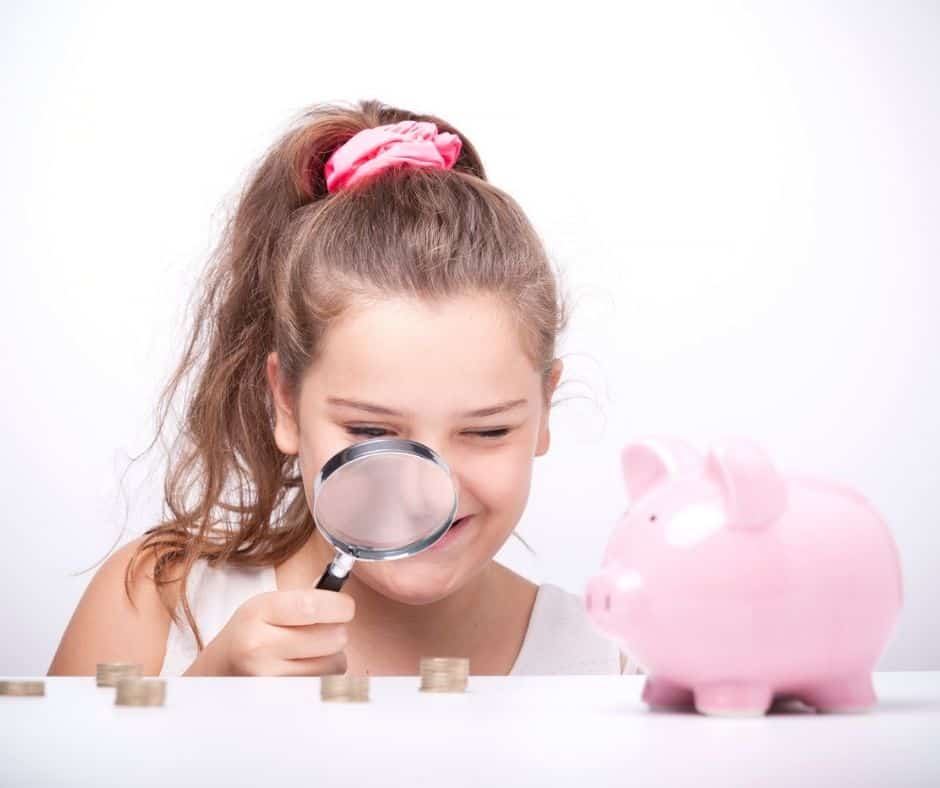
(422, 369)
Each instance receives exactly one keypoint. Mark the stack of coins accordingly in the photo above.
(140, 692)
(22, 688)
(344, 689)
(444, 674)
(110, 672)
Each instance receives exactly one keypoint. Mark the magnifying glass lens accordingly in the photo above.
(385, 501)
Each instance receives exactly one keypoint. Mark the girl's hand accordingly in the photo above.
(301, 632)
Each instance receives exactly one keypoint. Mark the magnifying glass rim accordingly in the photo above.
(358, 452)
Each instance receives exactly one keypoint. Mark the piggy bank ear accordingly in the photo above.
(754, 492)
(649, 460)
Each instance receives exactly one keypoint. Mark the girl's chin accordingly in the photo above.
(409, 582)
(420, 592)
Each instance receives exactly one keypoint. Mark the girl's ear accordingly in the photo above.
(545, 437)
(286, 433)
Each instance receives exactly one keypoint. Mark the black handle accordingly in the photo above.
(329, 581)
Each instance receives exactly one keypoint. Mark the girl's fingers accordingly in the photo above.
(313, 640)
(313, 666)
(303, 606)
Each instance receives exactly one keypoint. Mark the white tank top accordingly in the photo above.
(559, 639)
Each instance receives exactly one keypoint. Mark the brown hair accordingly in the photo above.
(289, 261)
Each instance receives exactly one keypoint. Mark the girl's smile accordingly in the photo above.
(456, 533)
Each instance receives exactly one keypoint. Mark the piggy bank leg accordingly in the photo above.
(733, 699)
(841, 695)
(664, 694)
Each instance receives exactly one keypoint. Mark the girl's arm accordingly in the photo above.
(106, 627)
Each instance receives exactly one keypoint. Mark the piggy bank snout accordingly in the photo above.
(613, 598)
(599, 594)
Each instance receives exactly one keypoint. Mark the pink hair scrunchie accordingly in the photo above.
(372, 150)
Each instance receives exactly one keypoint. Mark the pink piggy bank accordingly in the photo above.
(733, 584)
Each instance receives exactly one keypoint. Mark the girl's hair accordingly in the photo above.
(290, 260)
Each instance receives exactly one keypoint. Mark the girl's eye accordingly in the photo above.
(370, 432)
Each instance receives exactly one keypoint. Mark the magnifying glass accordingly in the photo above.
(379, 500)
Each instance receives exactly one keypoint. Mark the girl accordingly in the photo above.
(371, 283)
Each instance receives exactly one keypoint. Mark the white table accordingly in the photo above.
(504, 731)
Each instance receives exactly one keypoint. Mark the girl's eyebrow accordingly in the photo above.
(493, 409)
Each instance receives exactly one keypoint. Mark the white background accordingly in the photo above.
(743, 198)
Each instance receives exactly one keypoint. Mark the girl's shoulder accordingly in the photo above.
(122, 616)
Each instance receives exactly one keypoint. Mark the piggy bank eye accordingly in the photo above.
(652, 518)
